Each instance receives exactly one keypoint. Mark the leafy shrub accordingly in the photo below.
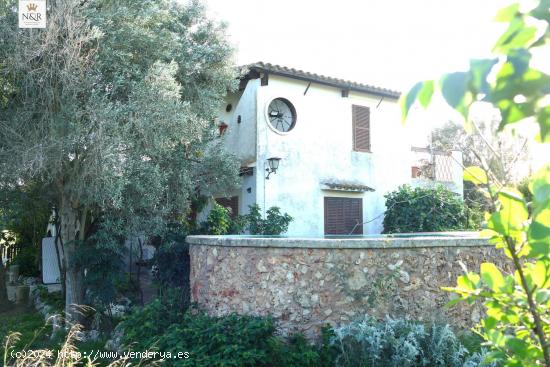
(423, 210)
(53, 299)
(172, 257)
(143, 326)
(232, 340)
(274, 224)
(27, 259)
(103, 259)
(219, 221)
(400, 343)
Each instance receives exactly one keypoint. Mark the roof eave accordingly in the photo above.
(351, 87)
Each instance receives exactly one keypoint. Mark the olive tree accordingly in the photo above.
(113, 107)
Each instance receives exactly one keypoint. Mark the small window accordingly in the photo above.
(361, 128)
(343, 216)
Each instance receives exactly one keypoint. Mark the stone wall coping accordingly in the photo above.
(420, 240)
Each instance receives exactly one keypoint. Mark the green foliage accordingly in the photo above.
(423, 210)
(219, 221)
(275, 223)
(26, 331)
(523, 187)
(29, 325)
(124, 119)
(27, 259)
(52, 299)
(400, 343)
(516, 304)
(24, 214)
(144, 325)
(231, 340)
(172, 258)
(526, 35)
(517, 324)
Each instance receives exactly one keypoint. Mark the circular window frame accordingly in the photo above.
(292, 110)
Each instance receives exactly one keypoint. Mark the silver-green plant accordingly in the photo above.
(400, 343)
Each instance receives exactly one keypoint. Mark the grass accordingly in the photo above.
(35, 334)
(27, 322)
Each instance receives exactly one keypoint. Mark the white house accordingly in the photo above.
(341, 145)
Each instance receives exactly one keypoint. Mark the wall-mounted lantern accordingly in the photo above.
(273, 165)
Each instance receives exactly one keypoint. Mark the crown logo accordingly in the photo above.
(32, 7)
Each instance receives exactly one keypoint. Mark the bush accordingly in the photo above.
(54, 299)
(216, 341)
(423, 210)
(219, 222)
(274, 224)
(400, 343)
(172, 258)
(27, 259)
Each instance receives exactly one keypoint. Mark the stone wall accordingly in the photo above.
(306, 284)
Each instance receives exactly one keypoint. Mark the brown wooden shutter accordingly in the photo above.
(361, 128)
(231, 203)
(343, 215)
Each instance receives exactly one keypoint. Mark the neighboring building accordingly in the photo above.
(341, 145)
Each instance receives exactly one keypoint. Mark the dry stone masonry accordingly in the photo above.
(308, 283)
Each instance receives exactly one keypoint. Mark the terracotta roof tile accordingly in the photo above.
(321, 79)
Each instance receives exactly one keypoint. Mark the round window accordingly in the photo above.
(281, 115)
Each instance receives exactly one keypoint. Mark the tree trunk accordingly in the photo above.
(4, 303)
(71, 232)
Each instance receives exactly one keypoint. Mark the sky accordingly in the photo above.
(387, 43)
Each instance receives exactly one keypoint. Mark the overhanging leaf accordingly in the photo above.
(491, 276)
(407, 100)
(475, 175)
(508, 13)
(426, 93)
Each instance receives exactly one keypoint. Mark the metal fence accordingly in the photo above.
(9, 252)
(432, 164)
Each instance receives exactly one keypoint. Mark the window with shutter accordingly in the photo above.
(343, 215)
(361, 128)
(231, 203)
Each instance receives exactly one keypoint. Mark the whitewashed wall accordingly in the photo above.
(320, 149)
(240, 138)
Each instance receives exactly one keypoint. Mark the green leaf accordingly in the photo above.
(479, 70)
(453, 88)
(543, 119)
(513, 206)
(540, 227)
(518, 35)
(542, 295)
(539, 185)
(426, 93)
(542, 11)
(511, 218)
(407, 100)
(517, 346)
(491, 276)
(508, 13)
(540, 273)
(475, 175)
